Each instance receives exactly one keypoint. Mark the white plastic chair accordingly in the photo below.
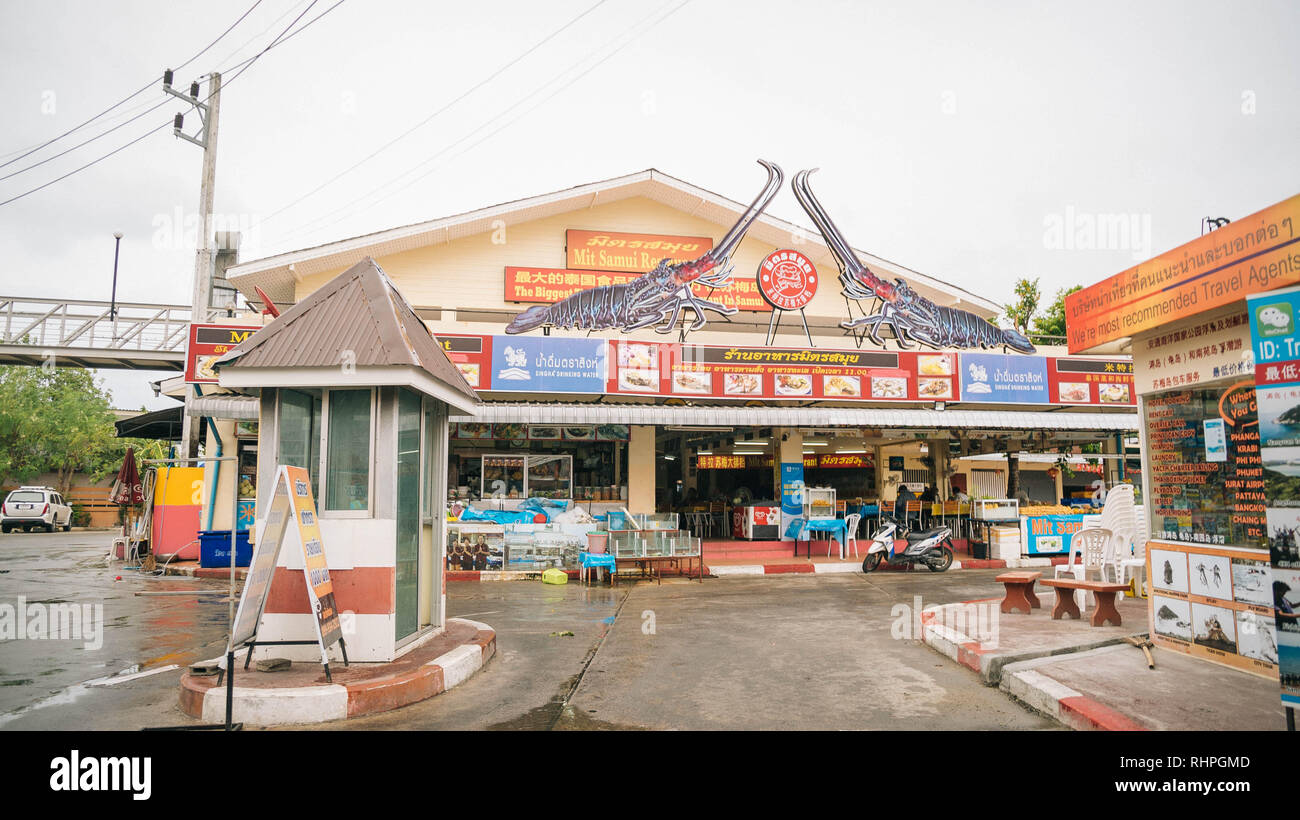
(1119, 515)
(851, 521)
(1135, 567)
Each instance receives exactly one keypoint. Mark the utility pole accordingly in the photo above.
(209, 110)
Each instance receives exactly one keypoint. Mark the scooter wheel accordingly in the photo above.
(942, 564)
(871, 562)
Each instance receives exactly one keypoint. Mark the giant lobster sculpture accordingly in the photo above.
(658, 297)
(908, 314)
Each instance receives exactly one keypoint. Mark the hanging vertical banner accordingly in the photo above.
(1276, 346)
(791, 493)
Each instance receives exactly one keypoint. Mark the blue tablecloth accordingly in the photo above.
(836, 527)
(590, 559)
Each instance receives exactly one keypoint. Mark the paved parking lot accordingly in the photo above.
(776, 652)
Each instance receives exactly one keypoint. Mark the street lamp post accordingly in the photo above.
(117, 246)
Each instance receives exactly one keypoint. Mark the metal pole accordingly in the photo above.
(203, 260)
(112, 305)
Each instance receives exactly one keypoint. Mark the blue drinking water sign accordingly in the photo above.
(527, 364)
(1002, 379)
(1276, 346)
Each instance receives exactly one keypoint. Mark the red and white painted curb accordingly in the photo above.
(1036, 690)
(336, 701)
(1067, 706)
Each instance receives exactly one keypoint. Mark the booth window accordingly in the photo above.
(299, 445)
(347, 459)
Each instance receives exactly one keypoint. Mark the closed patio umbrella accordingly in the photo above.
(127, 489)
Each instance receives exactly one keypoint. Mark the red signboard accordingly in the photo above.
(209, 343)
(629, 252)
(802, 374)
(1090, 381)
(787, 279)
(781, 373)
(472, 356)
(550, 285)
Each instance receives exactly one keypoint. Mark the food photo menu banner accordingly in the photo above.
(555, 364)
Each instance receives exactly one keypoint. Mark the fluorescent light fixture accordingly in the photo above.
(738, 453)
(705, 453)
(815, 443)
(670, 458)
(850, 451)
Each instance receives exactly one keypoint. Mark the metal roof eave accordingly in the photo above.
(661, 415)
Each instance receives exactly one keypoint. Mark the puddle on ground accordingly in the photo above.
(556, 717)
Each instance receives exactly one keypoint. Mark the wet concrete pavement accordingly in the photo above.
(43, 682)
(786, 652)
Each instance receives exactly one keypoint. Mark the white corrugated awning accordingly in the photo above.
(662, 415)
(240, 408)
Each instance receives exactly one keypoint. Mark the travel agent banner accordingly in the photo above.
(1276, 346)
(780, 373)
(629, 252)
(1251, 255)
(550, 285)
(1215, 346)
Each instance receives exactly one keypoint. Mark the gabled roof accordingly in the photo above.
(278, 274)
(356, 318)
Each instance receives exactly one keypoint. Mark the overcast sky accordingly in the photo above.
(975, 142)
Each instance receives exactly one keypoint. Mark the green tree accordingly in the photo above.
(1022, 310)
(59, 420)
(1052, 322)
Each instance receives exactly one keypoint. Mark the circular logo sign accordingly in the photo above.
(787, 279)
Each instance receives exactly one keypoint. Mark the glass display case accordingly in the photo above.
(542, 546)
(995, 509)
(626, 544)
(818, 502)
(621, 520)
(686, 544)
(525, 476)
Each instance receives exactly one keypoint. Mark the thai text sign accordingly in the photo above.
(629, 252)
(1257, 253)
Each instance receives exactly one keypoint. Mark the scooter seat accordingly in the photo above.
(914, 537)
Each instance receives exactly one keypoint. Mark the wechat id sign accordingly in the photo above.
(1274, 319)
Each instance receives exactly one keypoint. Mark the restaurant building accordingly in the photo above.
(738, 407)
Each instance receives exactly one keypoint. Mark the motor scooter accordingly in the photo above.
(896, 545)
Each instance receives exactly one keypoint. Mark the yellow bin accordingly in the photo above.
(555, 576)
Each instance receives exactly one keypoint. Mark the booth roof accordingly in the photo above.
(592, 413)
(358, 317)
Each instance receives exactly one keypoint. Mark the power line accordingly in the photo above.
(436, 113)
(279, 40)
(133, 94)
(84, 142)
(224, 60)
(636, 27)
(87, 165)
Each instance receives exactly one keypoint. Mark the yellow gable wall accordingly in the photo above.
(469, 273)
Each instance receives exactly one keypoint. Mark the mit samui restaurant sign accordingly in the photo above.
(568, 365)
(629, 252)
